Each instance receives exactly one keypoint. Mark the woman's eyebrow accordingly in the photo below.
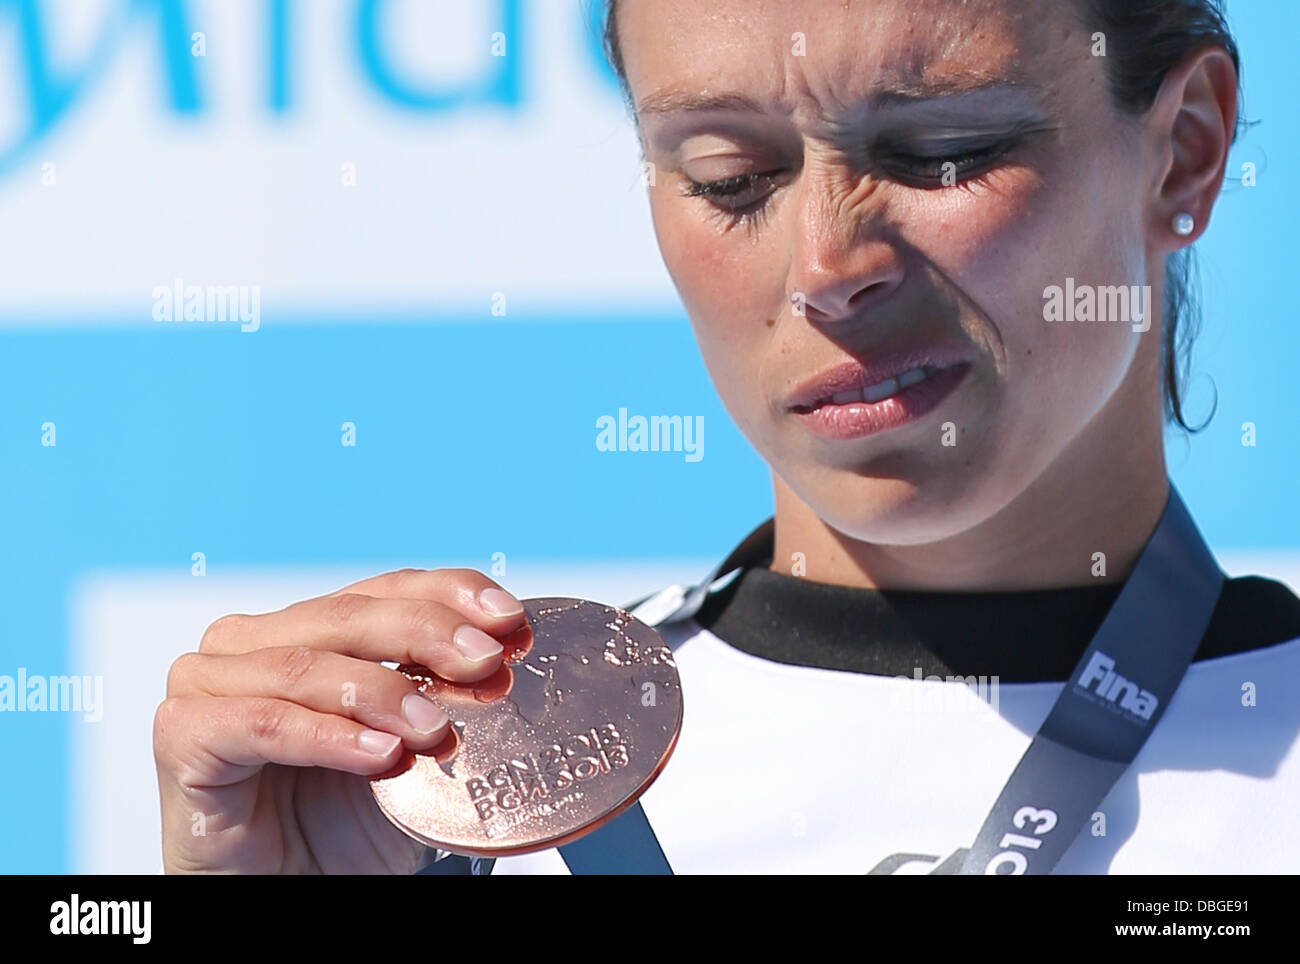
(671, 101)
(905, 93)
(954, 92)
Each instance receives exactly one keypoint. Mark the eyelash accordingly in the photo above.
(965, 162)
(747, 215)
(968, 167)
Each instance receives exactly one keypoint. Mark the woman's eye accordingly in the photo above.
(733, 193)
(941, 169)
(739, 195)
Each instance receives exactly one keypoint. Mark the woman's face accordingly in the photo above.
(928, 169)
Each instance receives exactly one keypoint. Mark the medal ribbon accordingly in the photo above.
(1110, 704)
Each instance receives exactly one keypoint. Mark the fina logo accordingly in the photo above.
(1112, 687)
(43, 87)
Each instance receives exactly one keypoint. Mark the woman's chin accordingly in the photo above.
(897, 511)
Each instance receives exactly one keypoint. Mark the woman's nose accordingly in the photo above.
(842, 263)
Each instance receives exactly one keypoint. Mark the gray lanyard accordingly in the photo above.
(1109, 706)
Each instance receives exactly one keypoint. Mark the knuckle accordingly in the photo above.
(265, 721)
(164, 718)
(293, 664)
(428, 621)
(408, 580)
(320, 732)
(221, 631)
(168, 720)
(342, 609)
(462, 574)
(183, 670)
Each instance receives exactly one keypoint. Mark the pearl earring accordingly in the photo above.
(1184, 224)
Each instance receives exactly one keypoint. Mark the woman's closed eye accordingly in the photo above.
(742, 196)
(731, 192)
(740, 199)
(942, 170)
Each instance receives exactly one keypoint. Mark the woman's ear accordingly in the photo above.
(1191, 124)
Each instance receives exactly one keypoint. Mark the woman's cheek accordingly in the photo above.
(992, 240)
(711, 273)
(1021, 243)
(689, 254)
(713, 282)
(718, 279)
(998, 243)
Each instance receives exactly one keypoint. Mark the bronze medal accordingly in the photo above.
(568, 733)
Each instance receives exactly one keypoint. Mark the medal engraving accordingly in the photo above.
(568, 733)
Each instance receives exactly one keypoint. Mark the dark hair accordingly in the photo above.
(1145, 40)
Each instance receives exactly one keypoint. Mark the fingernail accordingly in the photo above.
(475, 644)
(498, 602)
(378, 742)
(422, 713)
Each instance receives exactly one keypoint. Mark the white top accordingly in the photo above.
(795, 769)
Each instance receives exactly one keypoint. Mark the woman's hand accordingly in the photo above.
(269, 732)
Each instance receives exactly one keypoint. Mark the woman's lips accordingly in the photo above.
(909, 401)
